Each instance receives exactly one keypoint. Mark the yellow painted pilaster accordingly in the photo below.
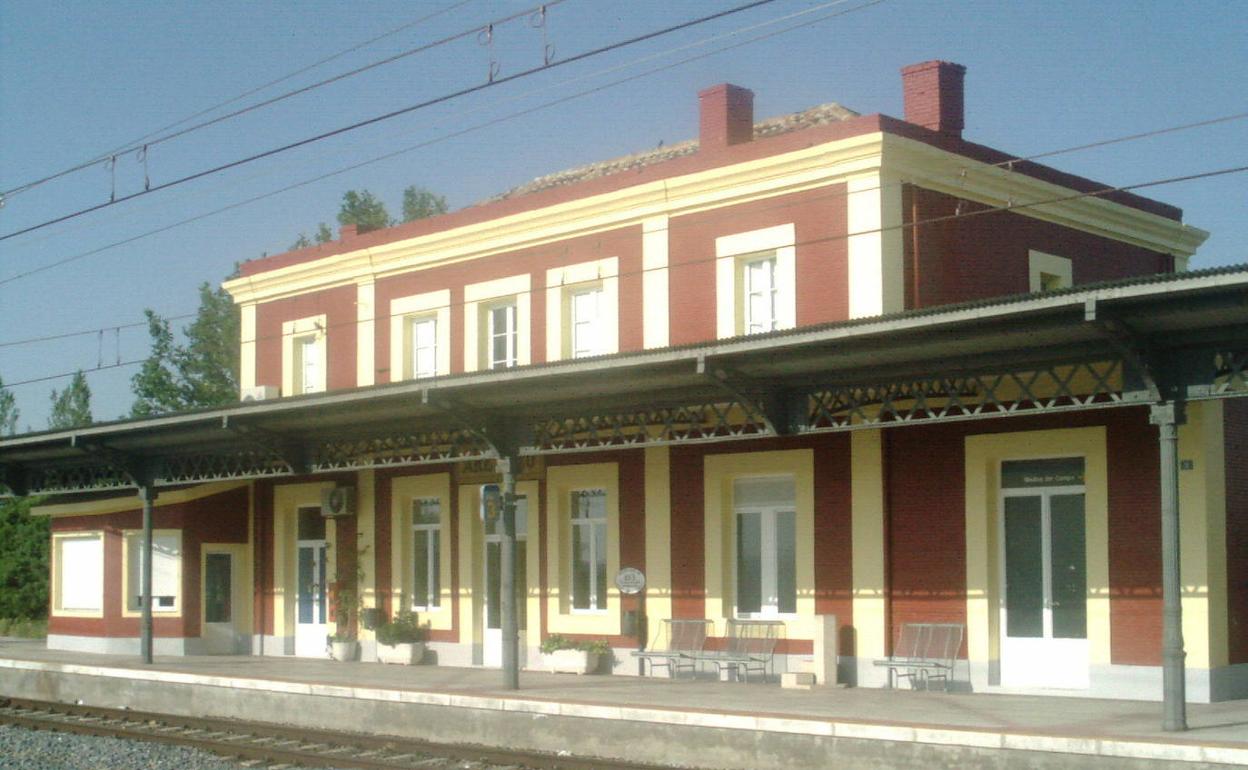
(658, 535)
(365, 331)
(867, 511)
(470, 581)
(1202, 512)
(654, 283)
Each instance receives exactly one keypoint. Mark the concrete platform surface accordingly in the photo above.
(976, 727)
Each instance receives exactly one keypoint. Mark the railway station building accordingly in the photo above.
(841, 370)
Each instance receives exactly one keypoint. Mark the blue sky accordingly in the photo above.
(78, 79)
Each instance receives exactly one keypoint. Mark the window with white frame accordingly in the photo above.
(589, 549)
(166, 571)
(755, 281)
(307, 365)
(303, 356)
(759, 284)
(78, 581)
(422, 333)
(766, 571)
(500, 335)
(426, 553)
(585, 321)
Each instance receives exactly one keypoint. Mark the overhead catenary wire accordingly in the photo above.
(1008, 207)
(494, 81)
(159, 135)
(583, 93)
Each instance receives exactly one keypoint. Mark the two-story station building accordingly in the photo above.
(786, 258)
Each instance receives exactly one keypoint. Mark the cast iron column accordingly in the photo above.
(148, 494)
(507, 566)
(1167, 417)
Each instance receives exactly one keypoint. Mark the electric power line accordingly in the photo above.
(389, 115)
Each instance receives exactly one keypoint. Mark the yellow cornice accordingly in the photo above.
(796, 171)
(120, 504)
(958, 175)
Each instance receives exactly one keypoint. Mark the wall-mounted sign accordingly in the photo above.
(491, 503)
(1025, 474)
(630, 580)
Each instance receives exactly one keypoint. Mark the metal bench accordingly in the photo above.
(677, 645)
(748, 645)
(924, 652)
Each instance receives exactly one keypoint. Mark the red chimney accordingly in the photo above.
(348, 231)
(933, 96)
(727, 116)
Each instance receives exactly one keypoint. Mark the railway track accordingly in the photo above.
(276, 746)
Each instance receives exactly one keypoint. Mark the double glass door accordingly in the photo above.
(311, 607)
(1044, 615)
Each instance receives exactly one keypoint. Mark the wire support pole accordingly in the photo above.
(148, 494)
(507, 566)
(1167, 416)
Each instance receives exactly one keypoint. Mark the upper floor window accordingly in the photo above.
(496, 323)
(589, 549)
(755, 281)
(501, 336)
(586, 322)
(1047, 272)
(760, 295)
(766, 521)
(304, 365)
(420, 337)
(582, 317)
(423, 337)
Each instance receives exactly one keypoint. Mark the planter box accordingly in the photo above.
(406, 654)
(570, 661)
(344, 650)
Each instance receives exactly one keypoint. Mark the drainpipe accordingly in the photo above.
(148, 495)
(1167, 416)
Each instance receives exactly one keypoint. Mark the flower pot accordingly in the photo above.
(344, 650)
(404, 653)
(570, 661)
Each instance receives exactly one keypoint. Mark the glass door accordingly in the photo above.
(310, 602)
(219, 634)
(1044, 640)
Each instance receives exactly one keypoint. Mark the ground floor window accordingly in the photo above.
(166, 571)
(426, 553)
(766, 567)
(589, 549)
(78, 580)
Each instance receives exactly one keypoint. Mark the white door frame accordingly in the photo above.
(310, 638)
(1042, 661)
(224, 637)
(492, 638)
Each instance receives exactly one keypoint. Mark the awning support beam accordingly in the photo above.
(1168, 416)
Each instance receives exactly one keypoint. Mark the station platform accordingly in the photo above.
(671, 723)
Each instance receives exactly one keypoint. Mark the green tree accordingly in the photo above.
(301, 242)
(8, 411)
(419, 203)
(364, 210)
(323, 234)
(23, 560)
(71, 407)
(203, 372)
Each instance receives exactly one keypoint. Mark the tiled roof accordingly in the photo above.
(815, 116)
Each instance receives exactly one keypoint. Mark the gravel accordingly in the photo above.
(23, 749)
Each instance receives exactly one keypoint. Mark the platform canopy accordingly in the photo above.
(1146, 340)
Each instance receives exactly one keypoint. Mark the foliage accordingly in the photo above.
(71, 407)
(419, 203)
(23, 628)
(203, 372)
(404, 629)
(345, 602)
(322, 235)
(23, 560)
(556, 642)
(8, 411)
(364, 210)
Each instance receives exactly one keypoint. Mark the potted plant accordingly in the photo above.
(343, 644)
(563, 655)
(402, 640)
